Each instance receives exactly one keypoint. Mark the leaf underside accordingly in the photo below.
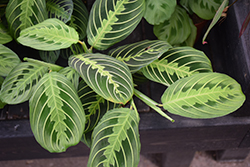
(177, 63)
(107, 76)
(140, 54)
(204, 95)
(111, 21)
(116, 140)
(57, 118)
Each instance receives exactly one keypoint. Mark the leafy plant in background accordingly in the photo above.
(91, 99)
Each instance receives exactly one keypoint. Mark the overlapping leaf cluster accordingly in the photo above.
(85, 100)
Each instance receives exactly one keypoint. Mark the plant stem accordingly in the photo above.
(52, 67)
(232, 3)
(151, 103)
(86, 50)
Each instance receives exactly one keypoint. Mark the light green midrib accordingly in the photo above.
(114, 144)
(105, 27)
(195, 96)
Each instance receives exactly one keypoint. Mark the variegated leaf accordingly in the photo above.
(51, 34)
(204, 95)
(175, 30)
(8, 60)
(205, 9)
(20, 83)
(72, 75)
(140, 54)
(111, 21)
(116, 140)
(57, 118)
(72, 50)
(192, 37)
(1, 103)
(22, 14)
(79, 18)
(159, 11)
(49, 56)
(107, 76)
(95, 107)
(60, 9)
(4, 35)
(177, 63)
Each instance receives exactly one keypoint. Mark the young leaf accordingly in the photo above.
(60, 9)
(204, 95)
(116, 140)
(57, 118)
(49, 56)
(111, 21)
(107, 76)
(22, 14)
(216, 18)
(8, 60)
(79, 18)
(51, 34)
(19, 85)
(175, 30)
(4, 35)
(72, 75)
(159, 11)
(177, 63)
(205, 9)
(140, 54)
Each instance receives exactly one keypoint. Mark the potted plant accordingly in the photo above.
(91, 98)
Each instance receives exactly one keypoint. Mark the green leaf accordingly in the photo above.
(52, 34)
(79, 18)
(205, 9)
(19, 85)
(177, 63)
(4, 35)
(72, 75)
(94, 105)
(57, 118)
(60, 9)
(22, 14)
(49, 56)
(159, 11)
(140, 54)
(216, 18)
(175, 30)
(8, 60)
(111, 21)
(205, 95)
(107, 76)
(192, 37)
(72, 50)
(1, 103)
(116, 140)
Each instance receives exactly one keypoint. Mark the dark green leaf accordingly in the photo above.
(4, 35)
(57, 118)
(72, 75)
(111, 21)
(107, 76)
(177, 63)
(49, 56)
(140, 54)
(22, 14)
(60, 9)
(116, 140)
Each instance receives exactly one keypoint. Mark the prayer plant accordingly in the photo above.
(91, 99)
